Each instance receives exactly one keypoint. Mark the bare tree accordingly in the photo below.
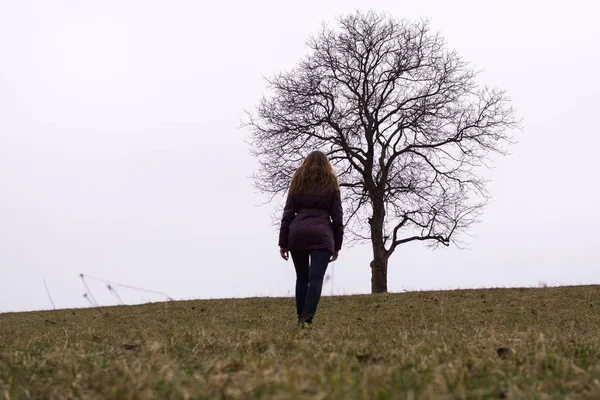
(403, 120)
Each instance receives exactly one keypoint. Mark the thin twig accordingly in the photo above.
(49, 295)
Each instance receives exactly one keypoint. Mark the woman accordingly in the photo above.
(312, 230)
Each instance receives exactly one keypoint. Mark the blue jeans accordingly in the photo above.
(309, 280)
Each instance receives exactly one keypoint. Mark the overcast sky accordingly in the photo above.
(121, 155)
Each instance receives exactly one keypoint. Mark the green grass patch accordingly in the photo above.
(463, 344)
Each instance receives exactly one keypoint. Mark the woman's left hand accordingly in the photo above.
(284, 253)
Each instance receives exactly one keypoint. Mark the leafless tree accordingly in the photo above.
(403, 119)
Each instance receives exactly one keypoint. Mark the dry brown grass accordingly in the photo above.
(503, 343)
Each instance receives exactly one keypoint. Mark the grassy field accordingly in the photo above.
(497, 343)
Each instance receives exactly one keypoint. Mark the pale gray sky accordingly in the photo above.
(121, 155)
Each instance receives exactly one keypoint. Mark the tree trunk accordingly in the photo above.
(380, 259)
(379, 272)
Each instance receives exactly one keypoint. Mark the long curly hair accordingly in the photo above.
(316, 173)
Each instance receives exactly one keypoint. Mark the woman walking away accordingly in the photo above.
(312, 230)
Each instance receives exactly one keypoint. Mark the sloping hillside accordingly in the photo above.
(497, 343)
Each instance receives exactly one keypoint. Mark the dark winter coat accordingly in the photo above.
(312, 222)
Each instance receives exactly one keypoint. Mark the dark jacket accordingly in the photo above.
(312, 222)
